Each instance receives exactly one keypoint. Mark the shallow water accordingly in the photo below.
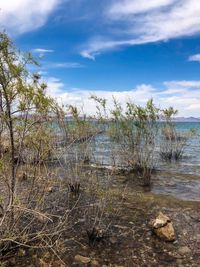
(179, 179)
(182, 179)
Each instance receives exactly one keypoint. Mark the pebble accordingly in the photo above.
(82, 259)
(184, 250)
(94, 263)
(113, 240)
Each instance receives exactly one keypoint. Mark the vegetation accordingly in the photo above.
(25, 143)
(172, 142)
(54, 195)
(21, 96)
(135, 130)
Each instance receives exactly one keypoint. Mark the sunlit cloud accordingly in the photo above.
(20, 16)
(185, 99)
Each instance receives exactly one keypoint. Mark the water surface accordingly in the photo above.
(180, 179)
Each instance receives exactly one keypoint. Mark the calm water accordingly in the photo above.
(179, 179)
(182, 179)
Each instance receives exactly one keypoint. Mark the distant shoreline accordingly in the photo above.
(189, 119)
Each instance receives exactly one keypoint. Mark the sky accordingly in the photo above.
(132, 50)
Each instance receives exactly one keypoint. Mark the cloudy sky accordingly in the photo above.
(130, 49)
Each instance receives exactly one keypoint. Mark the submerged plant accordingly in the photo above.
(136, 130)
(173, 143)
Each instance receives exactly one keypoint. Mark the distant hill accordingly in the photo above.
(188, 119)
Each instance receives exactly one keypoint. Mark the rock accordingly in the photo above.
(166, 232)
(82, 259)
(113, 240)
(94, 263)
(163, 227)
(184, 250)
(161, 221)
(49, 189)
(42, 218)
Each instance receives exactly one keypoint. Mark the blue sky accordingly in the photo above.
(130, 49)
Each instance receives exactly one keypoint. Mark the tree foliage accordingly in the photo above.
(23, 104)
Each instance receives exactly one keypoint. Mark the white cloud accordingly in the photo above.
(194, 106)
(182, 84)
(194, 58)
(67, 65)
(19, 16)
(87, 55)
(41, 50)
(55, 86)
(134, 22)
(185, 99)
(135, 7)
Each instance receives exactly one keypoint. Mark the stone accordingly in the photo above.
(41, 218)
(49, 189)
(82, 259)
(184, 250)
(166, 232)
(161, 221)
(163, 228)
(94, 263)
(113, 240)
